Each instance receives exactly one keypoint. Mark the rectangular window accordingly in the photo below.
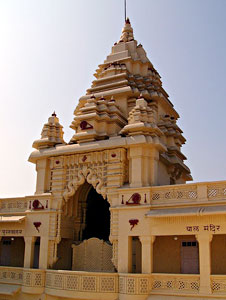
(189, 244)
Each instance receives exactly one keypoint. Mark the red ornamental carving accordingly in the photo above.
(57, 162)
(37, 204)
(134, 199)
(37, 225)
(133, 222)
(84, 158)
(85, 125)
(113, 155)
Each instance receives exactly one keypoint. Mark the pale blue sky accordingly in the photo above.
(49, 50)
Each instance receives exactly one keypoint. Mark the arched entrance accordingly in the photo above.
(85, 224)
(97, 220)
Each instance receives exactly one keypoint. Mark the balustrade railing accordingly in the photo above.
(11, 275)
(13, 205)
(34, 278)
(25, 203)
(174, 193)
(216, 190)
(82, 281)
(203, 191)
(175, 283)
(96, 282)
(218, 284)
(134, 284)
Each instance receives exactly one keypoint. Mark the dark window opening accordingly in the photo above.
(6, 242)
(189, 244)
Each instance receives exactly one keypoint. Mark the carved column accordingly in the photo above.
(29, 251)
(147, 253)
(204, 241)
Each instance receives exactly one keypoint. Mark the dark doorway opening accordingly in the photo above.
(97, 217)
(12, 251)
(36, 253)
(136, 255)
(189, 257)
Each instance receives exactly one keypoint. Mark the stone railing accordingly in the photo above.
(11, 275)
(218, 284)
(203, 191)
(175, 283)
(216, 190)
(82, 281)
(25, 203)
(13, 205)
(134, 284)
(34, 278)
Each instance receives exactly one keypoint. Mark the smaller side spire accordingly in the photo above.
(52, 134)
(142, 119)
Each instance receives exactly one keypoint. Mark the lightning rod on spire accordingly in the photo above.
(125, 9)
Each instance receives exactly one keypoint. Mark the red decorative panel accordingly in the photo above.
(37, 225)
(85, 125)
(133, 222)
(134, 199)
(37, 204)
(84, 158)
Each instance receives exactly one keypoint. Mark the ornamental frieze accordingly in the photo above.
(104, 170)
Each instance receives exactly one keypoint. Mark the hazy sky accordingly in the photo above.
(49, 50)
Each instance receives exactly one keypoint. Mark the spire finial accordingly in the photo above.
(125, 9)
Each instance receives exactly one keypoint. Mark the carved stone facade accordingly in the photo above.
(121, 181)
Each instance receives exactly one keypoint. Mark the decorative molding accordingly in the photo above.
(101, 169)
(88, 175)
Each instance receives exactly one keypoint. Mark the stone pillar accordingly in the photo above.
(136, 166)
(29, 251)
(202, 191)
(124, 254)
(41, 168)
(154, 158)
(204, 241)
(147, 253)
(43, 255)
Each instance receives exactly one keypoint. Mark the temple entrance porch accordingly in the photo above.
(85, 233)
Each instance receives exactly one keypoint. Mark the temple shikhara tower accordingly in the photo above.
(113, 216)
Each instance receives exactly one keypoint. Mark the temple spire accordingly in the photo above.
(127, 32)
(52, 134)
